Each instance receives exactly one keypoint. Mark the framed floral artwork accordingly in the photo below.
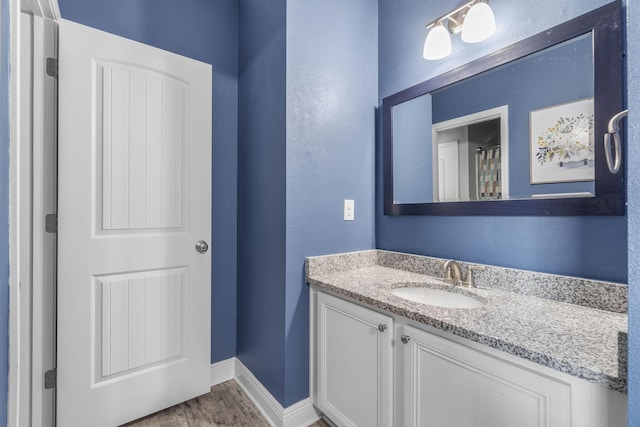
(562, 143)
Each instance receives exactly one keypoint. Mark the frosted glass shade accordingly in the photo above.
(438, 43)
(479, 25)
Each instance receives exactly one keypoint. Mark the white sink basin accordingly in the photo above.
(437, 297)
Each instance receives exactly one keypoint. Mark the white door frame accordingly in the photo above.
(23, 220)
(502, 113)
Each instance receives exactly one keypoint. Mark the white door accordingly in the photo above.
(134, 198)
(448, 167)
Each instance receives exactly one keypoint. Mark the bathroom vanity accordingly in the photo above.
(392, 344)
(537, 350)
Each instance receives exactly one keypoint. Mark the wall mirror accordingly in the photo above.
(518, 132)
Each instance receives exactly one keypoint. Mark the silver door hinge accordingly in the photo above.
(50, 379)
(52, 67)
(51, 223)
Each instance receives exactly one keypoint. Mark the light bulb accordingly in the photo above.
(437, 44)
(479, 24)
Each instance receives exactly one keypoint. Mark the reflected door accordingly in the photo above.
(448, 171)
(135, 191)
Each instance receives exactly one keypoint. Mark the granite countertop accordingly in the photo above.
(574, 339)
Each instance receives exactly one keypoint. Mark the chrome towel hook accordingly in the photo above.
(614, 130)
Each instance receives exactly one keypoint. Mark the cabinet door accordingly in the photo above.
(449, 384)
(354, 363)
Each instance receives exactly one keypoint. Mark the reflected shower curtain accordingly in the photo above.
(489, 169)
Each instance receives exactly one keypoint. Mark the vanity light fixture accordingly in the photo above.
(473, 19)
(438, 43)
(479, 25)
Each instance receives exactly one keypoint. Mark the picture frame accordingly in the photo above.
(562, 143)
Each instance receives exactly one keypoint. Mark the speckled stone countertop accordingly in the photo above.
(575, 339)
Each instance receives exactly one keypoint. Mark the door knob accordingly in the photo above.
(405, 339)
(201, 246)
(382, 327)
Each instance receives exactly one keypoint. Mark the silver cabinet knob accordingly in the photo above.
(382, 327)
(201, 246)
(405, 339)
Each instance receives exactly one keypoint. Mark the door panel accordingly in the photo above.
(140, 320)
(142, 148)
(446, 383)
(135, 197)
(354, 370)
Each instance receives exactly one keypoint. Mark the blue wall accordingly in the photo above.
(592, 247)
(633, 196)
(206, 30)
(261, 191)
(4, 207)
(331, 99)
(308, 92)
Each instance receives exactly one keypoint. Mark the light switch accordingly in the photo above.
(349, 210)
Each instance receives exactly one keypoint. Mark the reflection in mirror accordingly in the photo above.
(471, 155)
(511, 132)
(412, 178)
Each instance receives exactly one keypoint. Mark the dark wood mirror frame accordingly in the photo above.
(605, 24)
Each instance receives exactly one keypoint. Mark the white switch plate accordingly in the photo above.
(349, 209)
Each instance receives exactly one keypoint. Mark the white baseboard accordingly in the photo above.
(300, 414)
(223, 371)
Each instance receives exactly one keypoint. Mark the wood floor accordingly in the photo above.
(225, 405)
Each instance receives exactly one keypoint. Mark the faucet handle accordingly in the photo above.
(469, 280)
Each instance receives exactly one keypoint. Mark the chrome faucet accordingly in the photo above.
(452, 272)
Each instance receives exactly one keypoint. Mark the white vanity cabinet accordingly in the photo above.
(449, 384)
(353, 363)
(372, 369)
(450, 381)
